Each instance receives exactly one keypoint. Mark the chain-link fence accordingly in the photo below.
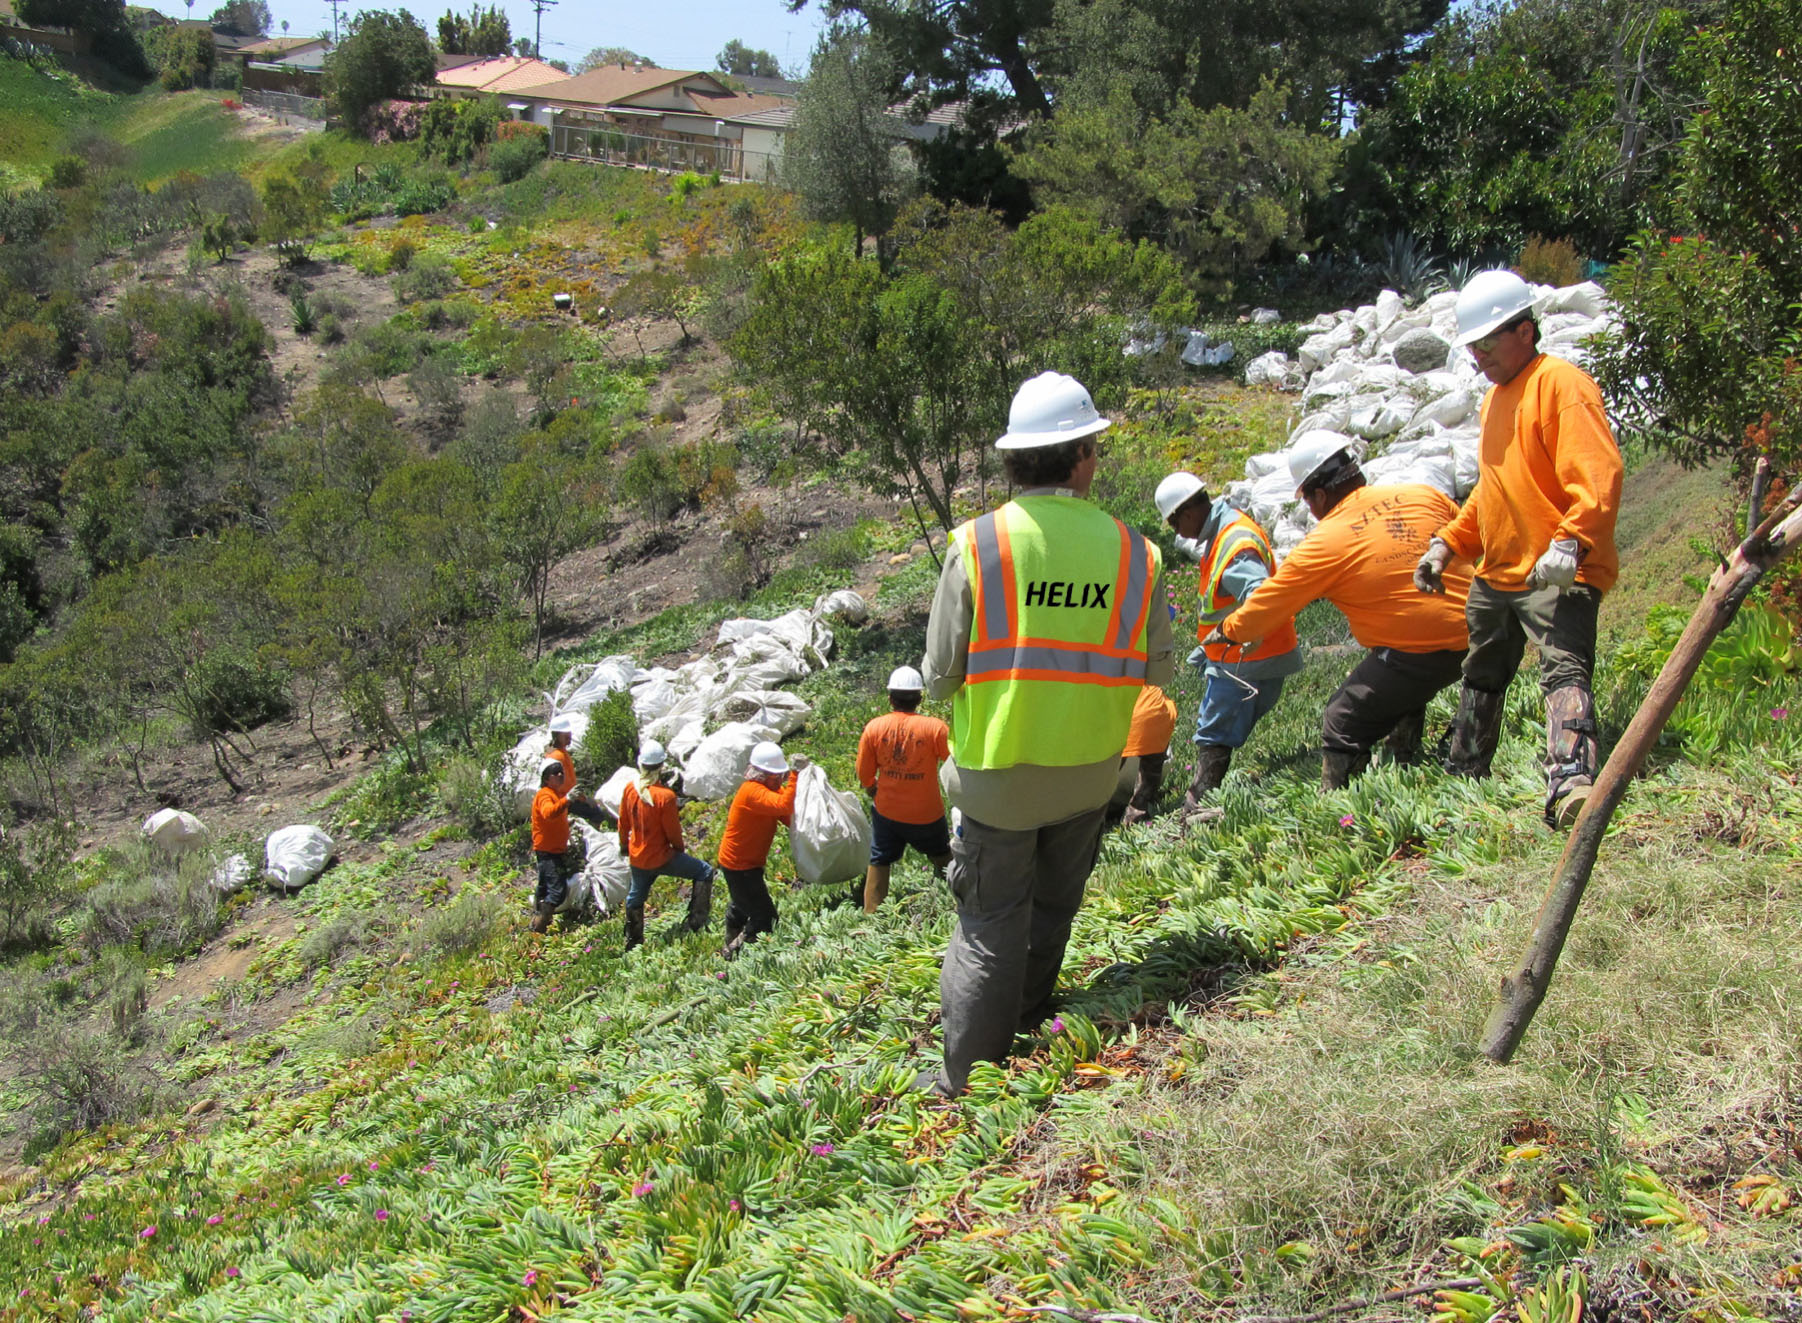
(724, 156)
(286, 103)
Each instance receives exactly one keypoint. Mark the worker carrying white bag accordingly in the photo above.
(830, 836)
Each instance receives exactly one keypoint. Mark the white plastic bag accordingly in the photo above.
(607, 875)
(231, 876)
(294, 856)
(715, 769)
(781, 711)
(608, 796)
(846, 604)
(830, 839)
(583, 686)
(174, 831)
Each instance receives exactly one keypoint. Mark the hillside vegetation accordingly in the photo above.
(310, 495)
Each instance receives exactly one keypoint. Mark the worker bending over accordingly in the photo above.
(766, 798)
(1048, 618)
(898, 757)
(1540, 529)
(650, 836)
(1147, 749)
(1240, 682)
(1360, 557)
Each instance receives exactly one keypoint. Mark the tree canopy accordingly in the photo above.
(746, 62)
(484, 31)
(242, 18)
(601, 55)
(385, 55)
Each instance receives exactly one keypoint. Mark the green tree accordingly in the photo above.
(242, 18)
(293, 211)
(605, 55)
(746, 62)
(104, 20)
(549, 504)
(1706, 363)
(184, 57)
(485, 32)
(845, 154)
(384, 56)
(36, 866)
(1220, 188)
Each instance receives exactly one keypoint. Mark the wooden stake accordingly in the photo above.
(1523, 990)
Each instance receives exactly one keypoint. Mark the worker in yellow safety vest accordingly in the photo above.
(1048, 619)
(1240, 681)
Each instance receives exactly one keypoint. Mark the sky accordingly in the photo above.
(679, 34)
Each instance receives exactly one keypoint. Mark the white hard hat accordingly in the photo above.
(1311, 449)
(1048, 411)
(563, 724)
(766, 756)
(651, 754)
(1175, 491)
(906, 679)
(547, 764)
(1489, 301)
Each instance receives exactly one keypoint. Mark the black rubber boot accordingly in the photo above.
(1337, 768)
(1146, 789)
(700, 904)
(1211, 762)
(634, 927)
(1571, 753)
(1475, 731)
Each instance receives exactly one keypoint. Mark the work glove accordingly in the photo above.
(1198, 658)
(1216, 638)
(1557, 568)
(1429, 572)
(799, 761)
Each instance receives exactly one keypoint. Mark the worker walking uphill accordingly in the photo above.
(1360, 557)
(766, 798)
(1240, 682)
(898, 757)
(1048, 618)
(1540, 529)
(650, 836)
(551, 808)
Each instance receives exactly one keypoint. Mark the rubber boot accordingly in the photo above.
(1211, 762)
(700, 903)
(1403, 743)
(541, 918)
(735, 931)
(875, 887)
(634, 927)
(1570, 753)
(1475, 731)
(1338, 768)
(1145, 790)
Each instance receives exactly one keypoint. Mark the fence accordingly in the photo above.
(724, 156)
(286, 103)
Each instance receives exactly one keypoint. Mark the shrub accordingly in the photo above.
(401, 253)
(1551, 262)
(476, 798)
(238, 691)
(164, 908)
(35, 868)
(427, 277)
(611, 740)
(513, 160)
(79, 1080)
(424, 195)
(460, 927)
(439, 389)
(453, 130)
(306, 319)
(67, 172)
(329, 940)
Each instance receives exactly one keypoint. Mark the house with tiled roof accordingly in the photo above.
(493, 76)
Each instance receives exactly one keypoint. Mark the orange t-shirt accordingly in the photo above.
(751, 823)
(898, 757)
(550, 821)
(1361, 558)
(650, 829)
(1154, 722)
(1548, 469)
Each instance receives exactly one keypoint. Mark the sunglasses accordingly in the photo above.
(1485, 343)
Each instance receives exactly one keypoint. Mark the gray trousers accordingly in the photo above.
(1017, 893)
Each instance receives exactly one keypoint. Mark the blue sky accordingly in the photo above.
(682, 34)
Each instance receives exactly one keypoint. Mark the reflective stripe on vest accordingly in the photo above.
(1056, 654)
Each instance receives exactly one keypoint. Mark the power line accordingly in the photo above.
(538, 8)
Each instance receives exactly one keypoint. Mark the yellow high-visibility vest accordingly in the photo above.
(1217, 604)
(1062, 596)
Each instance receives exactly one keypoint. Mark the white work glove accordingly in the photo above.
(1429, 571)
(1557, 568)
(800, 761)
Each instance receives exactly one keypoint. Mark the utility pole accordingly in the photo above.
(334, 4)
(538, 8)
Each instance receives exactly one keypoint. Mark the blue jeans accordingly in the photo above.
(680, 864)
(1229, 709)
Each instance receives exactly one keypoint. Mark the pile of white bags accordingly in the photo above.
(1387, 377)
(830, 838)
(295, 856)
(708, 712)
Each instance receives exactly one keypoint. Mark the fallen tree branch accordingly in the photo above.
(1084, 1315)
(1353, 1306)
(1523, 990)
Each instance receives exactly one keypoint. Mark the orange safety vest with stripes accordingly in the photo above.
(1062, 598)
(1233, 540)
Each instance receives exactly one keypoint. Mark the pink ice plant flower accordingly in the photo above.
(344, 1178)
(231, 1272)
(214, 1220)
(381, 1214)
(822, 1150)
(531, 1277)
(1347, 820)
(147, 1232)
(1779, 713)
(642, 1188)
(1057, 1024)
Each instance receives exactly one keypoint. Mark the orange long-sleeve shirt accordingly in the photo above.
(550, 821)
(751, 823)
(898, 756)
(1549, 468)
(1361, 558)
(1154, 721)
(650, 828)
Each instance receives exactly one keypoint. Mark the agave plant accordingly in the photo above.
(1408, 267)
